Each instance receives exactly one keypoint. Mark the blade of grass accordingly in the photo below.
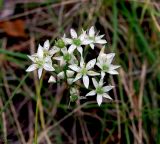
(13, 94)
(14, 54)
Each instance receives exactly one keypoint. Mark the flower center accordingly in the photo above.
(105, 67)
(84, 71)
(46, 53)
(77, 42)
(67, 57)
(92, 38)
(99, 90)
(40, 63)
(60, 43)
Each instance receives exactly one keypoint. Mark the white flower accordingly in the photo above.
(46, 51)
(100, 90)
(67, 57)
(69, 76)
(95, 38)
(40, 62)
(77, 41)
(52, 79)
(104, 63)
(84, 70)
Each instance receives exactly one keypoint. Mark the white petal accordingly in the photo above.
(86, 41)
(91, 32)
(107, 88)
(113, 72)
(58, 58)
(113, 67)
(46, 45)
(107, 96)
(82, 62)
(78, 76)
(101, 82)
(86, 81)
(48, 59)
(32, 67)
(99, 65)
(69, 73)
(102, 74)
(54, 50)
(40, 51)
(92, 73)
(102, 58)
(70, 80)
(91, 93)
(99, 37)
(101, 41)
(48, 67)
(73, 33)
(74, 67)
(91, 64)
(39, 72)
(92, 46)
(32, 58)
(62, 62)
(82, 36)
(80, 50)
(61, 75)
(95, 83)
(71, 48)
(110, 57)
(99, 99)
(52, 79)
(67, 40)
(64, 50)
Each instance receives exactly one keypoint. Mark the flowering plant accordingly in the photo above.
(68, 59)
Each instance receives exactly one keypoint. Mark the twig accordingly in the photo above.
(118, 110)
(42, 8)
(61, 120)
(4, 123)
(13, 109)
(142, 80)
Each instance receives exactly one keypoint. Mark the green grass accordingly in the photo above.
(131, 33)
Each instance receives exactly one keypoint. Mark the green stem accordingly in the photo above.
(38, 91)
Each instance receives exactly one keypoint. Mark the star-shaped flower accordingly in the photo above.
(84, 70)
(40, 62)
(77, 41)
(104, 63)
(100, 91)
(95, 38)
(46, 51)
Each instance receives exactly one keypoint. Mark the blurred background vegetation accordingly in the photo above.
(132, 30)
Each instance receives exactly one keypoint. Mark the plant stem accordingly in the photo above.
(38, 90)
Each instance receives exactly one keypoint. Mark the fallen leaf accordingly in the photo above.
(14, 28)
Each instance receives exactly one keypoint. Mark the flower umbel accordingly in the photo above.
(67, 61)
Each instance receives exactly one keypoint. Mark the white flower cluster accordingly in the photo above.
(67, 61)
